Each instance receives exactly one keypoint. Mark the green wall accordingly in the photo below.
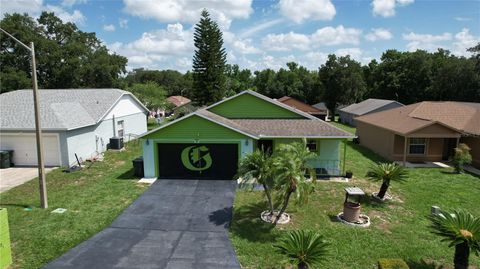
(195, 127)
(247, 106)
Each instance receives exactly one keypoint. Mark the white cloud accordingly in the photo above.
(245, 47)
(259, 27)
(313, 60)
(123, 23)
(109, 28)
(329, 36)
(462, 18)
(426, 41)
(355, 53)
(70, 3)
(301, 10)
(386, 8)
(171, 47)
(464, 40)
(35, 7)
(286, 42)
(168, 11)
(378, 34)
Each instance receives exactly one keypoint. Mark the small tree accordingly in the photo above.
(462, 229)
(258, 166)
(462, 156)
(386, 172)
(290, 163)
(305, 249)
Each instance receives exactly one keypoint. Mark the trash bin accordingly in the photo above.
(138, 167)
(10, 156)
(4, 159)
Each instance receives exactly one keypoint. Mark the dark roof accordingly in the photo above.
(460, 116)
(367, 106)
(320, 105)
(60, 109)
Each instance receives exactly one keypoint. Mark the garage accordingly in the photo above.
(197, 161)
(25, 148)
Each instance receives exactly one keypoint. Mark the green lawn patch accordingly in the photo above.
(93, 197)
(399, 228)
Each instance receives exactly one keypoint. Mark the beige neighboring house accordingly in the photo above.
(426, 131)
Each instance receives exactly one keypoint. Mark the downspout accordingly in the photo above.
(114, 131)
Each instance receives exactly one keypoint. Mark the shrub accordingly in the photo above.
(462, 156)
(392, 264)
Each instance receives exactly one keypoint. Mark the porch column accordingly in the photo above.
(405, 152)
(458, 141)
(344, 156)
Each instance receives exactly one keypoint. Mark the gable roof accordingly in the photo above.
(459, 116)
(265, 98)
(320, 106)
(60, 109)
(367, 106)
(292, 102)
(178, 100)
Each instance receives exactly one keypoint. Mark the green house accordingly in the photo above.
(208, 143)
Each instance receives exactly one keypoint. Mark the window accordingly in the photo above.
(312, 145)
(120, 127)
(417, 145)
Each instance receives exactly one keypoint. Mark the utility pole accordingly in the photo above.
(38, 130)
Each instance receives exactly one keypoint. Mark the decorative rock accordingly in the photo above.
(386, 198)
(284, 219)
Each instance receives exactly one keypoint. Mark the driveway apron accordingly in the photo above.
(174, 224)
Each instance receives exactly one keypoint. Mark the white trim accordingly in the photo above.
(307, 137)
(203, 117)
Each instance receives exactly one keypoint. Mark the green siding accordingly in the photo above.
(194, 128)
(247, 106)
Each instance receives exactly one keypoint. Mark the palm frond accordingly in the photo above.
(303, 246)
(387, 172)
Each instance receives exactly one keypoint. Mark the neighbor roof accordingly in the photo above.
(178, 100)
(460, 116)
(367, 106)
(290, 101)
(320, 106)
(60, 109)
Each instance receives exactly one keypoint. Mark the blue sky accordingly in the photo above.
(268, 34)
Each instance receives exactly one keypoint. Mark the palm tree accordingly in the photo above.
(303, 248)
(386, 172)
(290, 165)
(258, 165)
(462, 229)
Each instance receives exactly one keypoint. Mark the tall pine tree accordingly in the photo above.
(209, 62)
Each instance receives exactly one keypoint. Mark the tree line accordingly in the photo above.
(70, 58)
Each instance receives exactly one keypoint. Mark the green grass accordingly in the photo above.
(93, 198)
(399, 228)
(345, 127)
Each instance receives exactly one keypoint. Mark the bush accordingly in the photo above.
(392, 264)
(462, 156)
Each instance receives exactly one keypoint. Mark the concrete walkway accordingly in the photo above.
(15, 176)
(174, 224)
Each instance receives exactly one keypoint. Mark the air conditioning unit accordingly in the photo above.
(116, 142)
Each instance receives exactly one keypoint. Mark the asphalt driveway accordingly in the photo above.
(174, 224)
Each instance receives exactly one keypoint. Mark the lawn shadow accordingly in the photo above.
(16, 205)
(372, 156)
(248, 225)
(424, 265)
(129, 174)
(369, 201)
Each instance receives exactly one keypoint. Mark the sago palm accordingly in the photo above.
(304, 248)
(462, 230)
(386, 172)
(258, 166)
(290, 164)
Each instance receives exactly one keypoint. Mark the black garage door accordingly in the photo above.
(197, 161)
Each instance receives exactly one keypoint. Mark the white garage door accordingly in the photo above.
(25, 148)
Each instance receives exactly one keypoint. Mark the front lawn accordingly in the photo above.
(398, 230)
(93, 198)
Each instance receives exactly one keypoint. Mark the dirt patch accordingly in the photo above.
(380, 220)
(119, 163)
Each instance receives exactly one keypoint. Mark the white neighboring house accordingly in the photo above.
(80, 121)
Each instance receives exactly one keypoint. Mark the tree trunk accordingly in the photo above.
(302, 265)
(383, 190)
(284, 207)
(462, 252)
(269, 198)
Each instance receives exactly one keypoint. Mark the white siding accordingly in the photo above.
(127, 105)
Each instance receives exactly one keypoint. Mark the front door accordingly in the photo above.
(449, 145)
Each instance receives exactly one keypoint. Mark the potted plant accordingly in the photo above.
(349, 174)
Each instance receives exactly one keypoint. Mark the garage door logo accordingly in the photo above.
(196, 158)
